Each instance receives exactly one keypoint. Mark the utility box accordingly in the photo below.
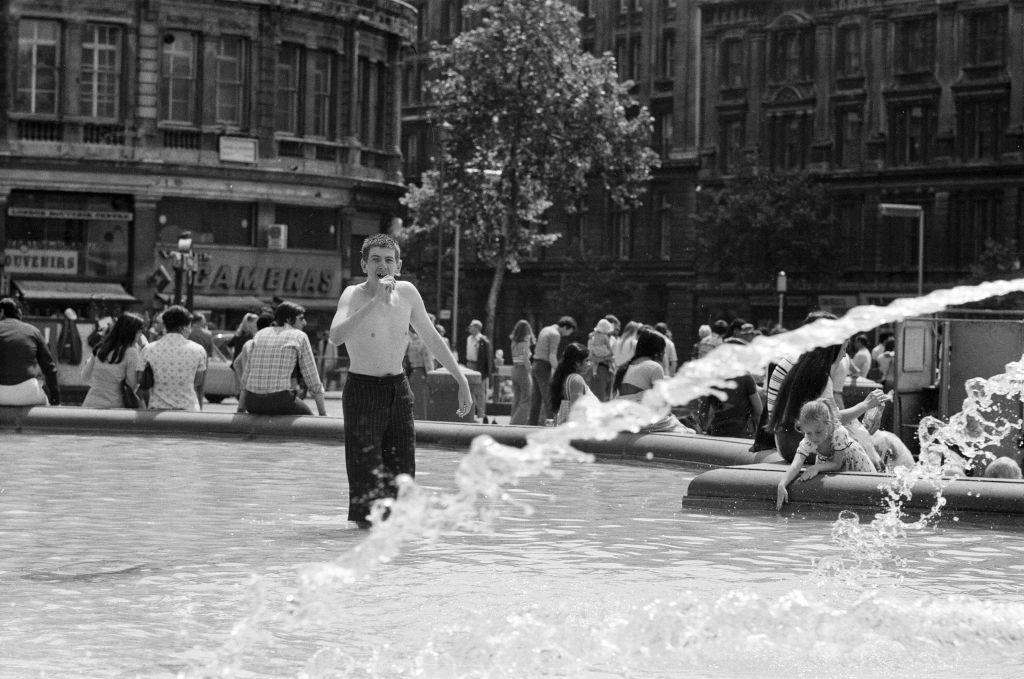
(443, 395)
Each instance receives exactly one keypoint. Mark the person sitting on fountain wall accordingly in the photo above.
(179, 364)
(810, 379)
(24, 352)
(567, 383)
(640, 373)
(826, 440)
(266, 386)
(373, 320)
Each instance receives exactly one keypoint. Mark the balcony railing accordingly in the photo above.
(40, 130)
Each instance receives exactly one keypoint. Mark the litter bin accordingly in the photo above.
(443, 395)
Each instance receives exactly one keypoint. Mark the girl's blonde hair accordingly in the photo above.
(819, 410)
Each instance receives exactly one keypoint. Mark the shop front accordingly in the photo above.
(232, 281)
(69, 251)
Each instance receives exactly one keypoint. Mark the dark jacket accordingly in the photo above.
(22, 347)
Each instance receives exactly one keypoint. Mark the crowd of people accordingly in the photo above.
(795, 410)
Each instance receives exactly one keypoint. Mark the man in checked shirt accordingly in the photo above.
(373, 322)
(267, 376)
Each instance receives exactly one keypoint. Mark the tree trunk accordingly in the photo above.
(492, 302)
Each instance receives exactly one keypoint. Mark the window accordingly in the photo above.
(857, 252)
(321, 81)
(733, 138)
(663, 219)
(976, 218)
(789, 139)
(667, 55)
(100, 91)
(985, 39)
(451, 17)
(662, 137)
(982, 121)
(178, 77)
(732, 64)
(586, 8)
(38, 57)
(622, 232)
(623, 6)
(915, 45)
(635, 59)
(371, 100)
(411, 154)
(286, 106)
(913, 127)
(792, 56)
(848, 51)
(230, 81)
(849, 136)
(621, 66)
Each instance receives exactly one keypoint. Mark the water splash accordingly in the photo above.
(687, 628)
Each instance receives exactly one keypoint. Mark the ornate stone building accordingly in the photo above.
(890, 101)
(269, 129)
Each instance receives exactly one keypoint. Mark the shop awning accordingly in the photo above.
(228, 302)
(72, 291)
(329, 304)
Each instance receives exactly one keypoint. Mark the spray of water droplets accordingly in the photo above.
(489, 468)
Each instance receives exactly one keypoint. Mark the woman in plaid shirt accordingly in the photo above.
(267, 377)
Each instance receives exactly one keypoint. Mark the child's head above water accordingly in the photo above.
(817, 419)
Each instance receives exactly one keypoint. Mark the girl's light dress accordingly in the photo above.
(841, 443)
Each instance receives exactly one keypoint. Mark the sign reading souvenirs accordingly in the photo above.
(39, 261)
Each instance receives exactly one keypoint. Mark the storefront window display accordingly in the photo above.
(69, 235)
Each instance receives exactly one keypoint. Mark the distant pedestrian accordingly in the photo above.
(420, 362)
(703, 346)
(860, 364)
(522, 383)
(545, 358)
(178, 364)
(671, 360)
(478, 358)
(602, 358)
(245, 331)
(116, 360)
(200, 334)
(23, 351)
(623, 350)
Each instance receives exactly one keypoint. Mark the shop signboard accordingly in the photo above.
(25, 260)
(228, 270)
(239, 149)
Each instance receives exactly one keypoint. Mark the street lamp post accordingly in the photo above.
(184, 262)
(780, 287)
(909, 211)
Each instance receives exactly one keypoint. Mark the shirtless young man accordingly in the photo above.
(373, 322)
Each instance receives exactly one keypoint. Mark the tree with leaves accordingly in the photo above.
(528, 119)
(759, 223)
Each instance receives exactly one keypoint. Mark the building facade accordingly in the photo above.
(268, 130)
(888, 101)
